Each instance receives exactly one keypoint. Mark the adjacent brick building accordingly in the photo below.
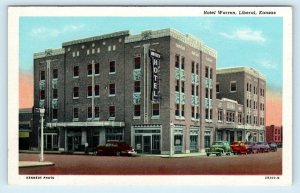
(152, 90)
(274, 134)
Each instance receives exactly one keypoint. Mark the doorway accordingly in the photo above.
(147, 144)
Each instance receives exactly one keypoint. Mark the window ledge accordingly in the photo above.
(179, 118)
(112, 118)
(96, 75)
(112, 73)
(155, 117)
(112, 95)
(89, 119)
(89, 97)
(75, 97)
(194, 119)
(89, 75)
(97, 96)
(96, 119)
(75, 76)
(136, 117)
(54, 120)
(75, 119)
(208, 120)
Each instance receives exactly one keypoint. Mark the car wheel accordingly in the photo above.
(207, 154)
(118, 153)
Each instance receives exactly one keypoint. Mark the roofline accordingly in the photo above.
(95, 38)
(246, 69)
(49, 52)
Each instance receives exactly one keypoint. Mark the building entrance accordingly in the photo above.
(146, 144)
(50, 141)
(74, 143)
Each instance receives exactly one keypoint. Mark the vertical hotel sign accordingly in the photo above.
(155, 63)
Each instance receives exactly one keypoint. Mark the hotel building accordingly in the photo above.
(155, 90)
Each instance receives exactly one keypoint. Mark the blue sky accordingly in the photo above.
(239, 41)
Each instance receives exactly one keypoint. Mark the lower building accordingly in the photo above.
(274, 134)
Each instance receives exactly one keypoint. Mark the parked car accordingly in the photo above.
(115, 148)
(219, 148)
(252, 147)
(263, 147)
(273, 146)
(239, 147)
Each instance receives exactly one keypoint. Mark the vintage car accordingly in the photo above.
(240, 147)
(273, 146)
(263, 147)
(252, 147)
(115, 148)
(219, 148)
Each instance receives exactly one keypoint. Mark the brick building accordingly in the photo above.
(248, 87)
(155, 90)
(274, 134)
(25, 128)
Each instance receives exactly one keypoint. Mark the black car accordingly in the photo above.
(273, 146)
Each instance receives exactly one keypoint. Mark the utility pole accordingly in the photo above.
(42, 112)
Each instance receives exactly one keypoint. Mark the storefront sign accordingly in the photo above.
(155, 62)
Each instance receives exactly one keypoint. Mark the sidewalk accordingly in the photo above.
(25, 164)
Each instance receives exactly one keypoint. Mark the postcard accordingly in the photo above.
(150, 95)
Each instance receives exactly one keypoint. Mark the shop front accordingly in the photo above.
(146, 139)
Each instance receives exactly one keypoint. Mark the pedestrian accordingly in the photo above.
(86, 147)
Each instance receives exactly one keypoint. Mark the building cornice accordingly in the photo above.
(185, 38)
(245, 69)
(49, 52)
(95, 38)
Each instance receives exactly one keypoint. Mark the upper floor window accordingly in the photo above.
(75, 71)
(182, 63)
(97, 90)
(206, 92)
(90, 69)
(137, 110)
(55, 73)
(197, 90)
(177, 86)
(220, 115)
(193, 112)
(90, 91)
(112, 67)
(97, 112)
(137, 62)
(112, 89)
(137, 86)
(90, 113)
(177, 110)
(233, 86)
(206, 72)
(112, 111)
(42, 94)
(75, 113)
(177, 61)
(197, 68)
(193, 67)
(182, 110)
(155, 109)
(42, 75)
(54, 114)
(75, 92)
(54, 93)
(182, 86)
(97, 68)
(193, 89)
(210, 93)
(211, 73)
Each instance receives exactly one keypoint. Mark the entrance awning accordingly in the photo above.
(87, 124)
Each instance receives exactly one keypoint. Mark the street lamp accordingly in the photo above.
(171, 139)
(42, 112)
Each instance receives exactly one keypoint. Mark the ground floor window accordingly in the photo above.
(207, 141)
(114, 134)
(178, 143)
(50, 141)
(239, 135)
(193, 142)
(219, 136)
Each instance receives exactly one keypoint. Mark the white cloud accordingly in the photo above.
(42, 32)
(268, 64)
(246, 35)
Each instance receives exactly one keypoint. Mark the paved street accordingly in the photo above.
(254, 164)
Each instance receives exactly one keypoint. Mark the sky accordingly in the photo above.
(239, 41)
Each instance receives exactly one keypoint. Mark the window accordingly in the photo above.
(98, 50)
(97, 110)
(112, 67)
(197, 68)
(182, 110)
(177, 61)
(177, 86)
(254, 89)
(182, 63)
(193, 89)
(193, 67)
(77, 53)
(90, 91)
(54, 113)
(177, 110)
(211, 73)
(73, 54)
(42, 94)
(112, 111)
(206, 114)
(87, 52)
(250, 87)
(90, 69)
(250, 103)
(206, 72)
(54, 93)
(247, 86)
(137, 62)
(93, 51)
(75, 71)
(137, 86)
(182, 87)
(240, 118)
(97, 68)
(90, 114)
(232, 86)
(155, 109)
(112, 89)
(220, 115)
(193, 112)
(217, 87)
(206, 93)
(42, 75)
(210, 93)
(197, 112)
(211, 114)
(55, 73)
(97, 90)
(75, 113)
(75, 92)
(137, 110)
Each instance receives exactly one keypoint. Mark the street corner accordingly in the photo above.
(26, 164)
